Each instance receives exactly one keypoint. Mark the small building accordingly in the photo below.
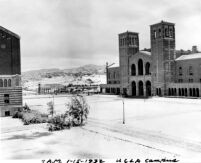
(10, 73)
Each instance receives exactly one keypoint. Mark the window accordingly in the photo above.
(1, 83)
(154, 35)
(171, 32)
(6, 99)
(147, 69)
(133, 70)
(17, 82)
(140, 67)
(159, 32)
(167, 67)
(114, 75)
(9, 82)
(190, 80)
(180, 80)
(180, 71)
(7, 113)
(190, 70)
(166, 32)
(129, 39)
(133, 41)
(5, 83)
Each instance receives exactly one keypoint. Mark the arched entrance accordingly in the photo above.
(133, 88)
(194, 92)
(148, 88)
(141, 88)
(197, 92)
(169, 92)
(140, 67)
(191, 93)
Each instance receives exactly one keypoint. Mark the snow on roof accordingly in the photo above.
(145, 52)
(189, 56)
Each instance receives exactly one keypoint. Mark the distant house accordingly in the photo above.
(10, 73)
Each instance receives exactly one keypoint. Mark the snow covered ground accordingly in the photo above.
(154, 128)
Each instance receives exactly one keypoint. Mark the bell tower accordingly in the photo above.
(128, 46)
(163, 55)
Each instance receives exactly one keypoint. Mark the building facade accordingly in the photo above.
(10, 73)
(163, 71)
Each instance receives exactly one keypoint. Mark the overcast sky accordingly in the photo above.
(71, 33)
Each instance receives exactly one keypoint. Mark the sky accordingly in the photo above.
(71, 33)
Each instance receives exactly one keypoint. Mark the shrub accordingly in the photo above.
(18, 114)
(26, 107)
(33, 117)
(29, 116)
(59, 122)
(78, 110)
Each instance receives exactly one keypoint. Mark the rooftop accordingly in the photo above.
(189, 56)
(9, 32)
(163, 22)
(128, 32)
(145, 52)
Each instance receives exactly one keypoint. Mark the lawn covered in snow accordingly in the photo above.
(155, 127)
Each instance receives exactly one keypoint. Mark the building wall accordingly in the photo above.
(162, 52)
(113, 75)
(136, 77)
(128, 46)
(165, 78)
(183, 74)
(10, 72)
(9, 54)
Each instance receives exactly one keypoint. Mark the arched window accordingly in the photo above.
(5, 83)
(190, 70)
(166, 32)
(171, 32)
(1, 83)
(9, 82)
(133, 70)
(154, 35)
(140, 67)
(147, 69)
(180, 71)
(159, 32)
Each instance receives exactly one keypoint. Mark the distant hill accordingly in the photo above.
(87, 69)
(80, 75)
(49, 73)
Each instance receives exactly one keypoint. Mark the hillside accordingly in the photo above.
(88, 74)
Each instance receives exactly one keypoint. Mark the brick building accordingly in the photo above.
(10, 72)
(163, 71)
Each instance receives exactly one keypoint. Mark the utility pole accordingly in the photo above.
(123, 110)
(53, 106)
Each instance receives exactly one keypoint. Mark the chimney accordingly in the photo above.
(194, 49)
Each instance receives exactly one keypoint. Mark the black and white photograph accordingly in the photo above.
(100, 81)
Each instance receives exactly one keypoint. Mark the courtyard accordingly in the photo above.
(157, 127)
